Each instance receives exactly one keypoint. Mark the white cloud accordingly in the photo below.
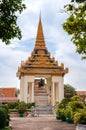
(65, 53)
(56, 39)
(10, 60)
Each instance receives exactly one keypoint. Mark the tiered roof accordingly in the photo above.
(40, 61)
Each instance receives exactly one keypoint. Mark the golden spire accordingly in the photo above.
(40, 42)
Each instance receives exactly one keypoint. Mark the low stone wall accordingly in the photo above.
(16, 114)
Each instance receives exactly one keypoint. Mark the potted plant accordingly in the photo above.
(80, 119)
(22, 108)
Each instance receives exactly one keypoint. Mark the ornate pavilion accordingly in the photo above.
(41, 68)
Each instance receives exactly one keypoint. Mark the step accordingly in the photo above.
(40, 103)
(40, 94)
(38, 87)
(41, 100)
(41, 97)
(39, 91)
(44, 109)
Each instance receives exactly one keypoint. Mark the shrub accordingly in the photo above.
(13, 110)
(74, 105)
(63, 103)
(80, 117)
(29, 105)
(2, 118)
(6, 128)
(76, 98)
(13, 105)
(60, 109)
(61, 114)
(69, 113)
(33, 104)
(6, 110)
(5, 106)
(68, 108)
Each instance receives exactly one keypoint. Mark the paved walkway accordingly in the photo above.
(43, 122)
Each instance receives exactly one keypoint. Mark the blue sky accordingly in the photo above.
(57, 42)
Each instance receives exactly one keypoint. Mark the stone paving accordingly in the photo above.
(43, 122)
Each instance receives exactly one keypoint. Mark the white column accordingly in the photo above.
(31, 80)
(59, 80)
(61, 89)
(53, 100)
(25, 91)
(22, 89)
(32, 92)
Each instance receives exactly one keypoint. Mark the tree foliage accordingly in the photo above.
(69, 91)
(75, 24)
(8, 19)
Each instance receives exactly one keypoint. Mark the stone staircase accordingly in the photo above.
(44, 109)
(41, 100)
(41, 96)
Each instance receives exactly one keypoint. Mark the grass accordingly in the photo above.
(6, 128)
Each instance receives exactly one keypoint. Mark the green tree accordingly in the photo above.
(8, 19)
(69, 91)
(75, 24)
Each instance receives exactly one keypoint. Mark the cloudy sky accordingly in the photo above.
(57, 42)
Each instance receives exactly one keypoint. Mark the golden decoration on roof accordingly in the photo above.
(40, 61)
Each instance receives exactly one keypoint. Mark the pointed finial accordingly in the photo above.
(40, 16)
(40, 41)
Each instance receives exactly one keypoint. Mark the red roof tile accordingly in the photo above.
(81, 92)
(8, 92)
(8, 95)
